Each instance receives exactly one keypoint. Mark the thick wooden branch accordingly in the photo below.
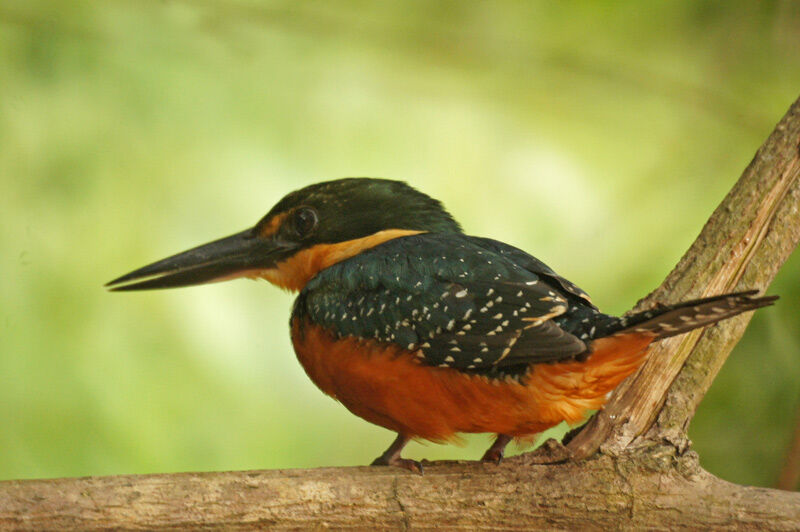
(598, 494)
(643, 476)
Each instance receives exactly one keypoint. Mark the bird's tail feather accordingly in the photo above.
(666, 321)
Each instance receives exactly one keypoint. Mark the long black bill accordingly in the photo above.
(222, 259)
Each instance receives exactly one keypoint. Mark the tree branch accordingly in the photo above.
(643, 475)
(742, 246)
(594, 495)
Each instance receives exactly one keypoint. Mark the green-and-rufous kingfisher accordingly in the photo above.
(419, 328)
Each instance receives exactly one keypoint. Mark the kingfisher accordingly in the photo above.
(417, 327)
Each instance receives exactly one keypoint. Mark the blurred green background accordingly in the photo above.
(598, 136)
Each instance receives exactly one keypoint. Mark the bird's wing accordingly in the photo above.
(452, 301)
(534, 265)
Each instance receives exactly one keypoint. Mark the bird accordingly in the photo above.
(419, 328)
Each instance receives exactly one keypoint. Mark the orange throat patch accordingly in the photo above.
(293, 273)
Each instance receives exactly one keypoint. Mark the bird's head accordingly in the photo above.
(305, 232)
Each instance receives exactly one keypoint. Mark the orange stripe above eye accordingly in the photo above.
(270, 227)
(294, 272)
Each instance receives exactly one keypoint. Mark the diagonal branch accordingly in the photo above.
(742, 246)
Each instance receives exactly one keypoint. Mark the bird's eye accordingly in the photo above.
(305, 221)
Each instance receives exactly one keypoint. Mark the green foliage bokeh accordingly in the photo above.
(598, 136)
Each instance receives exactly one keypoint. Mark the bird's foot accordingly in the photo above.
(497, 451)
(494, 456)
(405, 463)
(550, 452)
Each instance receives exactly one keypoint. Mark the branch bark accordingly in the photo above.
(599, 494)
(629, 467)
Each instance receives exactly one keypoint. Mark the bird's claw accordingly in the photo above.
(405, 463)
(494, 456)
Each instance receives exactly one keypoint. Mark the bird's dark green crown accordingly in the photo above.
(351, 208)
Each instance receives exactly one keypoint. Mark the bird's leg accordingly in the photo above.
(391, 456)
(497, 450)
